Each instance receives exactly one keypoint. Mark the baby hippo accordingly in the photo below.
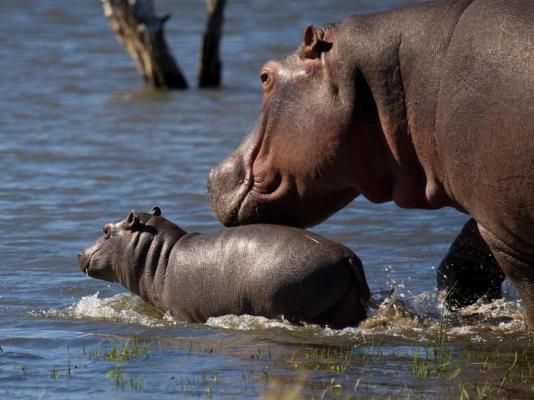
(266, 270)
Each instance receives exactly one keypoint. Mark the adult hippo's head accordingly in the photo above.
(315, 146)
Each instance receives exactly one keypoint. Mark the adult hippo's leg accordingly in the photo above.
(469, 270)
(519, 268)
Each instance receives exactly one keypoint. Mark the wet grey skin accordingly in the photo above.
(428, 106)
(264, 270)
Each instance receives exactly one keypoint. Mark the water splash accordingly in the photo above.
(421, 317)
(123, 307)
(392, 314)
(249, 323)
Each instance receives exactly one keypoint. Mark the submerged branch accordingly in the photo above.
(141, 33)
(210, 63)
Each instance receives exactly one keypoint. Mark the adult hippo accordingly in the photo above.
(265, 270)
(430, 105)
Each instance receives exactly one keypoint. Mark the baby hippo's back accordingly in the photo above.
(266, 270)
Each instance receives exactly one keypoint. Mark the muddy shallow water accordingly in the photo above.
(82, 141)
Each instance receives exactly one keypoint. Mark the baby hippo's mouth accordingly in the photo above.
(84, 260)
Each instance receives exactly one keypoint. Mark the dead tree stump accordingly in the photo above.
(210, 63)
(140, 32)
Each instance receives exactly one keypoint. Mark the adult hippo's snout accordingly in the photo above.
(240, 196)
(226, 184)
(236, 201)
(237, 198)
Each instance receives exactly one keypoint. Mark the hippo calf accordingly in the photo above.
(265, 270)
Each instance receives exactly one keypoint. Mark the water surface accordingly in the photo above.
(82, 141)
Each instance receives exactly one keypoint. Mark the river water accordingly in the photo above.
(82, 141)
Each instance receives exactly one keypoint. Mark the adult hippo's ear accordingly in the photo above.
(156, 211)
(313, 44)
(132, 220)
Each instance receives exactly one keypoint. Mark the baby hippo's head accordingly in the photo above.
(122, 249)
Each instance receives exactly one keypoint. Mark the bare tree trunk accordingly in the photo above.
(210, 66)
(140, 31)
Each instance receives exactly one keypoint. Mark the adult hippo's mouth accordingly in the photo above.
(239, 196)
(263, 194)
(232, 184)
(245, 188)
(242, 191)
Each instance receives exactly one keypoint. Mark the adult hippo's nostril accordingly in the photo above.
(230, 173)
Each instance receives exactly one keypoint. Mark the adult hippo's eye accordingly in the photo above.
(266, 79)
(107, 231)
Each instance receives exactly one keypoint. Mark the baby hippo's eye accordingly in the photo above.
(107, 231)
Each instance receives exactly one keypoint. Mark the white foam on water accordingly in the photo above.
(497, 309)
(426, 314)
(249, 323)
(420, 316)
(123, 307)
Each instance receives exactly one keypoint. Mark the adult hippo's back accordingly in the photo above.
(429, 106)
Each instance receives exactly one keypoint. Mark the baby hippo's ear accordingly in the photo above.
(132, 220)
(156, 211)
